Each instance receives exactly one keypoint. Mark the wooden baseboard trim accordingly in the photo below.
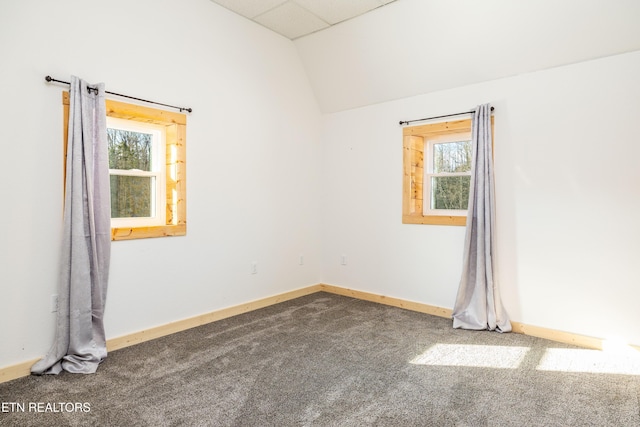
(23, 369)
(12, 372)
(381, 299)
(557, 336)
(517, 327)
(203, 319)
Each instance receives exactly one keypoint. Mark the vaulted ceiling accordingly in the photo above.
(362, 52)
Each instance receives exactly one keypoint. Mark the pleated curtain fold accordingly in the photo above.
(79, 345)
(478, 304)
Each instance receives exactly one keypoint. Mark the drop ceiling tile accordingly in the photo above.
(334, 11)
(291, 20)
(249, 8)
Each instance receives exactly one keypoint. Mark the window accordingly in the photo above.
(147, 170)
(447, 176)
(136, 172)
(437, 173)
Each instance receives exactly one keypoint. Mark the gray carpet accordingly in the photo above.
(328, 360)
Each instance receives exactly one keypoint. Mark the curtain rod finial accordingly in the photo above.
(48, 78)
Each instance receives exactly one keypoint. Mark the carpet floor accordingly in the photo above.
(329, 360)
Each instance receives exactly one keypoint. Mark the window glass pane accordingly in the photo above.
(450, 192)
(132, 196)
(452, 157)
(129, 150)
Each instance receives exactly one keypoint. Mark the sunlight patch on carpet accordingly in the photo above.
(480, 356)
(589, 361)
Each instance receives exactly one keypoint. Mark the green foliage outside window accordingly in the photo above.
(451, 192)
(131, 196)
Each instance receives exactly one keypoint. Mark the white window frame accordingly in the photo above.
(158, 171)
(429, 145)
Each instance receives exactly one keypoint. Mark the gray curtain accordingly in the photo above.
(478, 305)
(79, 344)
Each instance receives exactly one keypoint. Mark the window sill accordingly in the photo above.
(130, 233)
(434, 220)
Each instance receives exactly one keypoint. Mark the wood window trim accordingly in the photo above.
(413, 138)
(176, 173)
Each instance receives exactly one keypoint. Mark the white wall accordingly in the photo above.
(252, 149)
(566, 155)
(409, 47)
(270, 179)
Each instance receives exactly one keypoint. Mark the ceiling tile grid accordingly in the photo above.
(291, 20)
(334, 11)
(250, 8)
(296, 18)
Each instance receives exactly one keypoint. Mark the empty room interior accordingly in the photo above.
(293, 179)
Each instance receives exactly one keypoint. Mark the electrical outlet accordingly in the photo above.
(301, 260)
(254, 267)
(343, 260)
(54, 303)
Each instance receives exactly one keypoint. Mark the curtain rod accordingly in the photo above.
(439, 117)
(51, 79)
